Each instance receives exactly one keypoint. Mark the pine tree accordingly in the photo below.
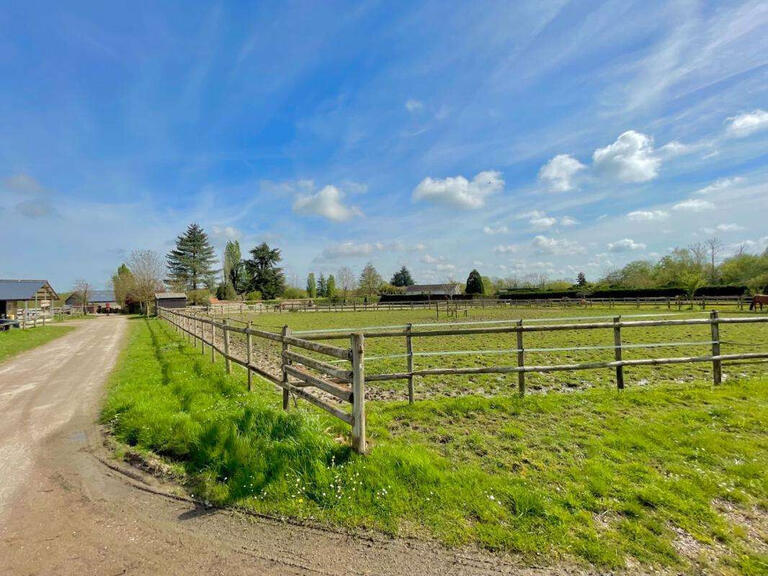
(191, 263)
(475, 283)
(266, 276)
(581, 280)
(402, 278)
(322, 286)
(311, 285)
(330, 287)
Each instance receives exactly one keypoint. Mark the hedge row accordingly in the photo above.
(622, 293)
(528, 294)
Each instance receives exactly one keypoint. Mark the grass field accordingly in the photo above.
(736, 338)
(16, 341)
(670, 475)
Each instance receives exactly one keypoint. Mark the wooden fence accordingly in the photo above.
(299, 372)
(453, 307)
(411, 332)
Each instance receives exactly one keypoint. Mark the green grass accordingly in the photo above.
(15, 341)
(601, 477)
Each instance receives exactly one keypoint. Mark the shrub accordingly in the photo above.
(199, 297)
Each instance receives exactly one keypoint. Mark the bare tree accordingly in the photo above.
(148, 269)
(699, 253)
(714, 244)
(346, 280)
(83, 291)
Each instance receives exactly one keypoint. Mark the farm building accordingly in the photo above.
(170, 300)
(442, 290)
(19, 295)
(98, 301)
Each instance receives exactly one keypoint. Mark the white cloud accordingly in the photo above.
(458, 191)
(491, 230)
(747, 123)
(429, 259)
(561, 247)
(349, 249)
(359, 249)
(647, 215)
(630, 159)
(326, 203)
(413, 105)
(675, 148)
(625, 245)
(693, 205)
(729, 227)
(559, 172)
(226, 232)
(505, 249)
(568, 221)
(445, 267)
(542, 222)
(720, 185)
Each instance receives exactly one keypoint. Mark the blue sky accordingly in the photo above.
(521, 138)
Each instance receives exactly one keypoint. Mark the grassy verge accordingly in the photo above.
(16, 341)
(669, 476)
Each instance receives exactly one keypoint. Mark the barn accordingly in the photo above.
(18, 296)
(170, 300)
(98, 301)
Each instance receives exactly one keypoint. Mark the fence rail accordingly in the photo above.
(300, 372)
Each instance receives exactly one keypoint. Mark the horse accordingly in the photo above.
(758, 299)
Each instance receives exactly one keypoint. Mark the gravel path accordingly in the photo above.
(66, 509)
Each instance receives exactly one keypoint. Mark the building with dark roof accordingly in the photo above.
(170, 300)
(18, 294)
(98, 301)
(448, 289)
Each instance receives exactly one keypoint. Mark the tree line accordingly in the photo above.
(191, 266)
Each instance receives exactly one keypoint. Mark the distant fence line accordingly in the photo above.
(299, 372)
(451, 307)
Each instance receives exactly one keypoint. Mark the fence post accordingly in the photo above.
(202, 336)
(717, 365)
(617, 352)
(213, 342)
(409, 351)
(249, 346)
(227, 361)
(286, 392)
(358, 392)
(520, 359)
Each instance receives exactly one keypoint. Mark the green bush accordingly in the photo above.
(199, 297)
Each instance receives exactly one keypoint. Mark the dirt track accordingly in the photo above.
(63, 511)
